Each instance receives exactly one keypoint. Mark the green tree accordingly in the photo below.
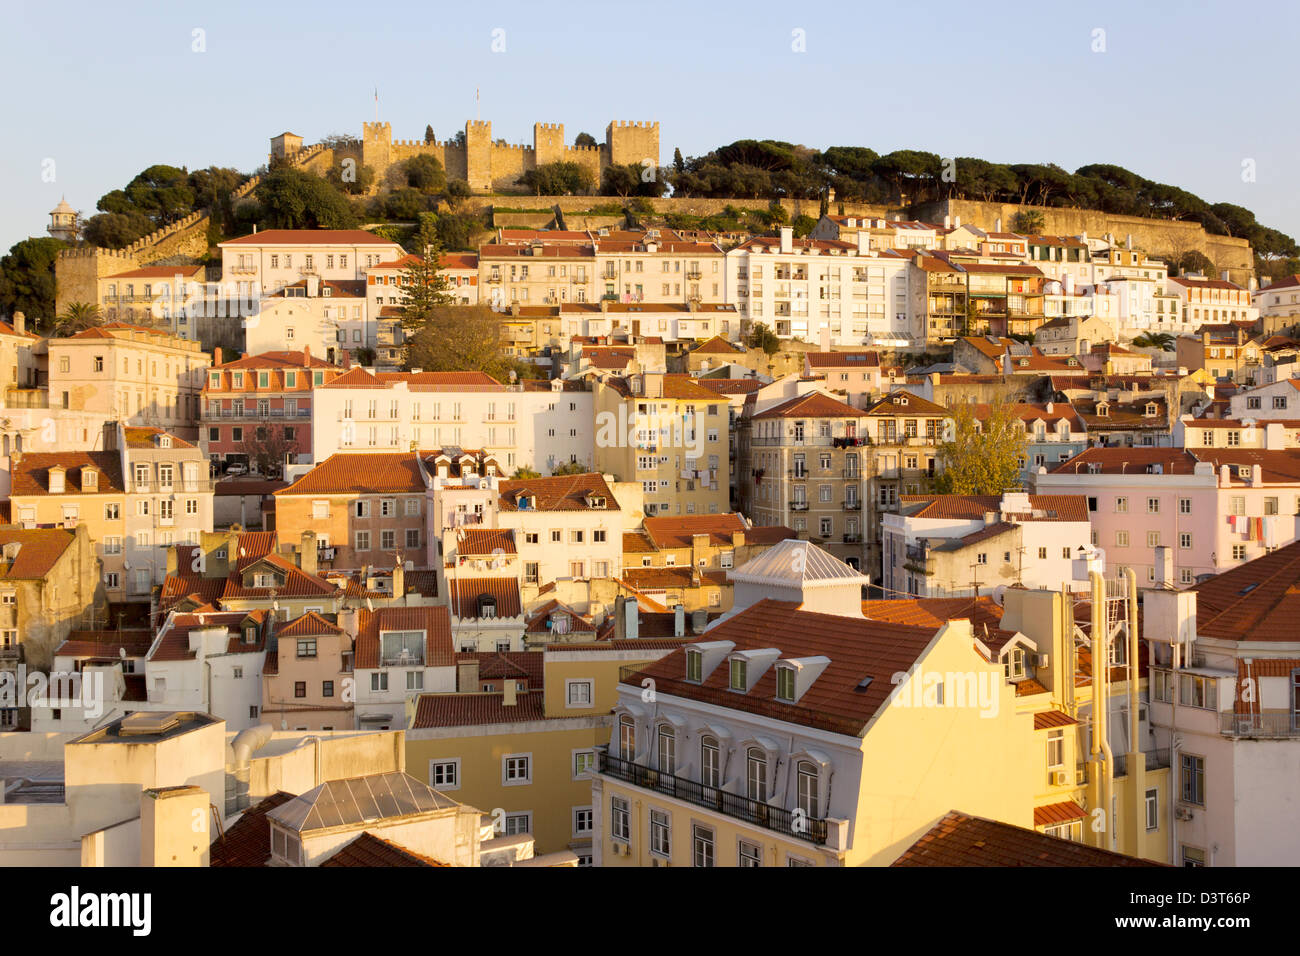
(350, 178)
(77, 317)
(405, 204)
(426, 174)
(803, 225)
(27, 278)
(585, 139)
(523, 472)
(980, 458)
(1156, 340)
(1028, 222)
(457, 191)
(428, 135)
(619, 180)
(558, 179)
(570, 468)
(293, 199)
(762, 337)
(115, 230)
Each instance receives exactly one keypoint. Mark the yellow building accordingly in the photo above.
(786, 736)
(669, 433)
(523, 755)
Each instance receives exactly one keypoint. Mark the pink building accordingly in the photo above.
(305, 674)
(1213, 508)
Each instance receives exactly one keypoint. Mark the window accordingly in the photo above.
(1197, 691)
(517, 823)
(785, 684)
(1121, 505)
(1153, 539)
(1121, 539)
(710, 761)
(579, 693)
(1184, 506)
(1055, 748)
(415, 680)
(1193, 856)
(737, 675)
(1192, 779)
(661, 836)
(748, 854)
(517, 769)
(619, 821)
(667, 750)
(444, 774)
(583, 823)
(626, 738)
(702, 845)
(809, 789)
(583, 761)
(379, 680)
(756, 774)
(1153, 506)
(327, 688)
(307, 647)
(300, 688)
(362, 541)
(1239, 552)
(1153, 809)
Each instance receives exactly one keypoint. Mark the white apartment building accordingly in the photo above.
(1212, 301)
(519, 425)
(399, 653)
(329, 317)
(800, 287)
(276, 258)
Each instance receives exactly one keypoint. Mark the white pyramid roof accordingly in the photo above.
(797, 564)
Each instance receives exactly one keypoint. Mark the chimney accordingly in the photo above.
(307, 552)
(631, 618)
(1128, 241)
(510, 693)
(1224, 275)
(679, 621)
(313, 287)
(787, 239)
(1256, 476)
(399, 580)
(997, 225)
(467, 676)
(216, 356)
(348, 618)
(825, 337)
(167, 836)
(956, 222)
(1050, 407)
(947, 222)
(1164, 570)
(604, 304)
(20, 323)
(1225, 476)
(864, 241)
(306, 356)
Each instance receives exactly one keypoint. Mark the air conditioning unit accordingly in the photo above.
(1245, 726)
(621, 849)
(1038, 660)
(655, 861)
(1183, 813)
(1058, 778)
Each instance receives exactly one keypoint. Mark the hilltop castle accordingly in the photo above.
(482, 163)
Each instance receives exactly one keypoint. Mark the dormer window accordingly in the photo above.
(164, 441)
(250, 634)
(785, 684)
(1103, 411)
(1150, 409)
(738, 673)
(263, 580)
(1013, 665)
(694, 665)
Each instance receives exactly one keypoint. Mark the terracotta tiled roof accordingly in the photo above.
(247, 842)
(458, 260)
(653, 579)
(1029, 687)
(636, 542)
(731, 386)
(837, 701)
(1132, 461)
(31, 475)
(855, 360)
(173, 643)
(812, 405)
(361, 473)
(145, 438)
(39, 550)
(369, 850)
(971, 507)
(1030, 412)
(905, 403)
(1047, 719)
(305, 624)
(464, 710)
(558, 493)
(717, 346)
(309, 237)
(1066, 811)
(1255, 601)
(514, 665)
(962, 840)
(264, 361)
(432, 619)
(465, 593)
(108, 644)
(577, 623)
(485, 541)
(679, 532)
(158, 272)
(1277, 466)
(932, 613)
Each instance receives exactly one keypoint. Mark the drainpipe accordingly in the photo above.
(1101, 703)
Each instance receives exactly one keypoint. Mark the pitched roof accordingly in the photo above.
(39, 550)
(517, 665)
(357, 800)
(275, 360)
(361, 473)
(717, 346)
(488, 707)
(247, 842)
(983, 612)
(369, 850)
(309, 237)
(558, 493)
(465, 593)
(1132, 461)
(679, 532)
(144, 437)
(485, 541)
(799, 564)
(812, 405)
(434, 620)
(841, 699)
(856, 359)
(31, 474)
(1255, 601)
(901, 402)
(972, 507)
(963, 840)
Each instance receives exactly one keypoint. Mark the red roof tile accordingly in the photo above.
(369, 850)
(465, 593)
(39, 550)
(247, 842)
(433, 620)
(309, 237)
(361, 473)
(464, 710)
(962, 840)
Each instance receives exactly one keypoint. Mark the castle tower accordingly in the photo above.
(63, 221)
(377, 147)
(628, 144)
(548, 143)
(478, 155)
(285, 145)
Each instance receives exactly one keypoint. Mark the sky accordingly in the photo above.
(1181, 93)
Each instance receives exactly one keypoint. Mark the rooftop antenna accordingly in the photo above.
(376, 104)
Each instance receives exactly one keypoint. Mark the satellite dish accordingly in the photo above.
(121, 652)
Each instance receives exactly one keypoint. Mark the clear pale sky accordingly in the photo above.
(1183, 93)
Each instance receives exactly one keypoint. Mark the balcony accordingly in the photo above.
(853, 506)
(14, 653)
(853, 539)
(798, 506)
(1270, 723)
(776, 819)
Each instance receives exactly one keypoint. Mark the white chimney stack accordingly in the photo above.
(787, 239)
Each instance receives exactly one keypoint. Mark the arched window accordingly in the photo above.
(667, 750)
(756, 774)
(626, 737)
(809, 780)
(710, 762)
